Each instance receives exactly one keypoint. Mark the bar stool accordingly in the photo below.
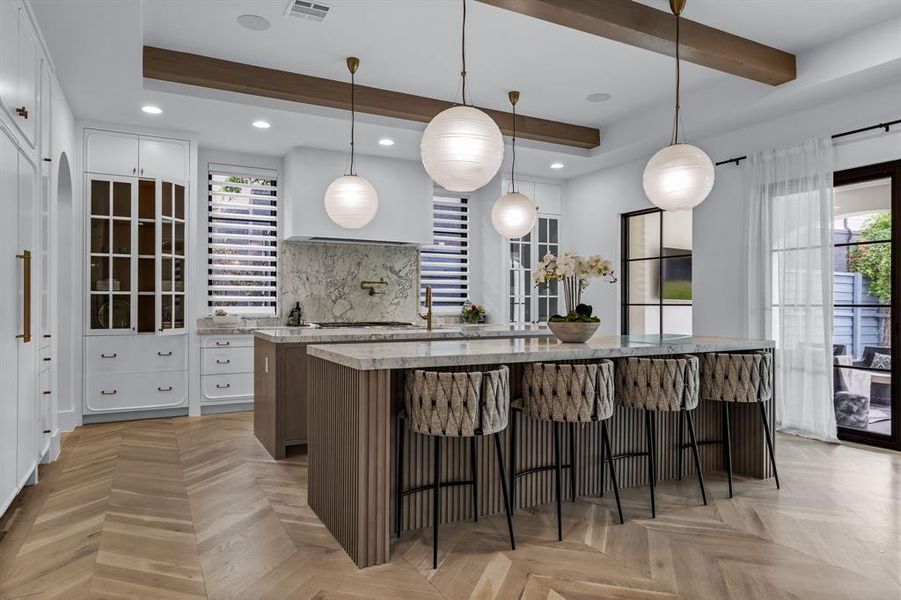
(566, 393)
(454, 405)
(744, 377)
(655, 385)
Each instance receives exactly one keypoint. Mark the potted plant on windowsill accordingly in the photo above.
(574, 273)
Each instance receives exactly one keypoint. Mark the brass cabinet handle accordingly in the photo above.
(106, 393)
(113, 355)
(22, 112)
(164, 354)
(223, 387)
(26, 285)
(222, 362)
(165, 389)
(223, 343)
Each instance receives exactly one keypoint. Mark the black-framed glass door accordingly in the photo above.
(867, 209)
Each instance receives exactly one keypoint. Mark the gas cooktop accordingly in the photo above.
(365, 324)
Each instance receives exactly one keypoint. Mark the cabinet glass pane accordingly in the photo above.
(644, 235)
(121, 311)
(121, 281)
(166, 311)
(179, 207)
(179, 312)
(99, 274)
(166, 199)
(178, 276)
(146, 199)
(644, 320)
(100, 236)
(99, 311)
(121, 199)
(100, 197)
(146, 315)
(146, 275)
(166, 242)
(644, 281)
(552, 236)
(179, 243)
(166, 275)
(146, 239)
(121, 237)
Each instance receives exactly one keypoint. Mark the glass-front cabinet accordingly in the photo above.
(136, 233)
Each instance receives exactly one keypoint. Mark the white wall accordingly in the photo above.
(595, 203)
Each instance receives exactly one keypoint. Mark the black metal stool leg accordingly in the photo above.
(605, 440)
(601, 462)
(436, 502)
(680, 423)
(697, 455)
(474, 469)
(572, 461)
(513, 419)
(769, 442)
(652, 473)
(399, 491)
(507, 504)
(558, 480)
(727, 445)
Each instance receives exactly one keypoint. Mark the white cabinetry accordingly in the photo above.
(125, 154)
(226, 369)
(18, 69)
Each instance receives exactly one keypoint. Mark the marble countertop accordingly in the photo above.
(311, 335)
(448, 353)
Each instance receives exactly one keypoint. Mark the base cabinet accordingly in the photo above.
(226, 370)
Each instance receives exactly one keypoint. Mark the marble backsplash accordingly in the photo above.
(325, 278)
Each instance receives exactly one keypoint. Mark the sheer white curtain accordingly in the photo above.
(790, 287)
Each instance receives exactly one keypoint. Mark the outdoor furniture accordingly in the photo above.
(852, 408)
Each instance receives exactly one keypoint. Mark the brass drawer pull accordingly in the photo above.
(223, 386)
(164, 354)
(223, 343)
(165, 389)
(106, 393)
(113, 355)
(223, 362)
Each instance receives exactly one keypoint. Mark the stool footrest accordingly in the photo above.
(534, 470)
(629, 455)
(431, 486)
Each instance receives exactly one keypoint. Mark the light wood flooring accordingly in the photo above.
(195, 508)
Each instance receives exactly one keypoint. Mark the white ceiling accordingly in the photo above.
(413, 46)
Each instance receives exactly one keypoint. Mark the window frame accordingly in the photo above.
(534, 296)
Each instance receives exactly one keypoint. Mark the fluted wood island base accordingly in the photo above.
(355, 392)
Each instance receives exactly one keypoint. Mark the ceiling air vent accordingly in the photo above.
(314, 11)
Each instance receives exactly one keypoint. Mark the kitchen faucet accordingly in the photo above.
(428, 304)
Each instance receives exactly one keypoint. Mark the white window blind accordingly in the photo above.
(444, 266)
(243, 228)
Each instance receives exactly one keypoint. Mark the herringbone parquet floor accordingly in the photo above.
(194, 508)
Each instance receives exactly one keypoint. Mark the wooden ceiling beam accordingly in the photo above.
(645, 27)
(214, 73)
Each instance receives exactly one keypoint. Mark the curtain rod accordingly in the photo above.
(887, 126)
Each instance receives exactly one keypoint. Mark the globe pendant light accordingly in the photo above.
(679, 176)
(513, 214)
(351, 201)
(462, 148)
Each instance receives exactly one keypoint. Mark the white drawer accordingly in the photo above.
(226, 341)
(44, 400)
(224, 388)
(135, 353)
(44, 358)
(135, 391)
(219, 361)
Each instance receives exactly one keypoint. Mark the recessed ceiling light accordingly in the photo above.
(386, 142)
(253, 22)
(151, 109)
(598, 97)
(262, 124)
(557, 165)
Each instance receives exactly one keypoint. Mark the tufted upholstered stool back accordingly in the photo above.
(568, 393)
(737, 377)
(661, 384)
(462, 404)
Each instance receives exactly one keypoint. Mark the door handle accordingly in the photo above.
(26, 293)
(106, 393)
(223, 386)
(22, 112)
(223, 343)
(164, 354)
(113, 355)
(222, 362)
(165, 389)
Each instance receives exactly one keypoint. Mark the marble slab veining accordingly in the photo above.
(453, 353)
(310, 335)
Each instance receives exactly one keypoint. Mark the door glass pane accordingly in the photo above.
(166, 311)
(178, 316)
(99, 311)
(99, 197)
(644, 320)
(676, 279)
(644, 235)
(179, 244)
(863, 273)
(121, 237)
(146, 274)
(677, 319)
(121, 308)
(121, 199)
(179, 208)
(166, 199)
(146, 238)
(99, 274)
(863, 212)
(178, 276)
(552, 231)
(100, 236)
(166, 275)
(146, 316)
(146, 199)
(644, 281)
(121, 275)
(166, 243)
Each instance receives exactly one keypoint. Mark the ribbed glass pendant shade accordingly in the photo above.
(513, 215)
(351, 201)
(678, 177)
(462, 149)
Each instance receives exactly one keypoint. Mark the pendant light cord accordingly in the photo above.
(463, 52)
(513, 147)
(353, 111)
(675, 139)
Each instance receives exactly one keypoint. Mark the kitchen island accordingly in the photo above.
(280, 369)
(356, 390)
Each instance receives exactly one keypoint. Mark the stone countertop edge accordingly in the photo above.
(449, 353)
(312, 335)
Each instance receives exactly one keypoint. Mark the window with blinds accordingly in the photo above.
(444, 266)
(243, 228)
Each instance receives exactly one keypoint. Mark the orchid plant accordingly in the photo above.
(575, 273)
